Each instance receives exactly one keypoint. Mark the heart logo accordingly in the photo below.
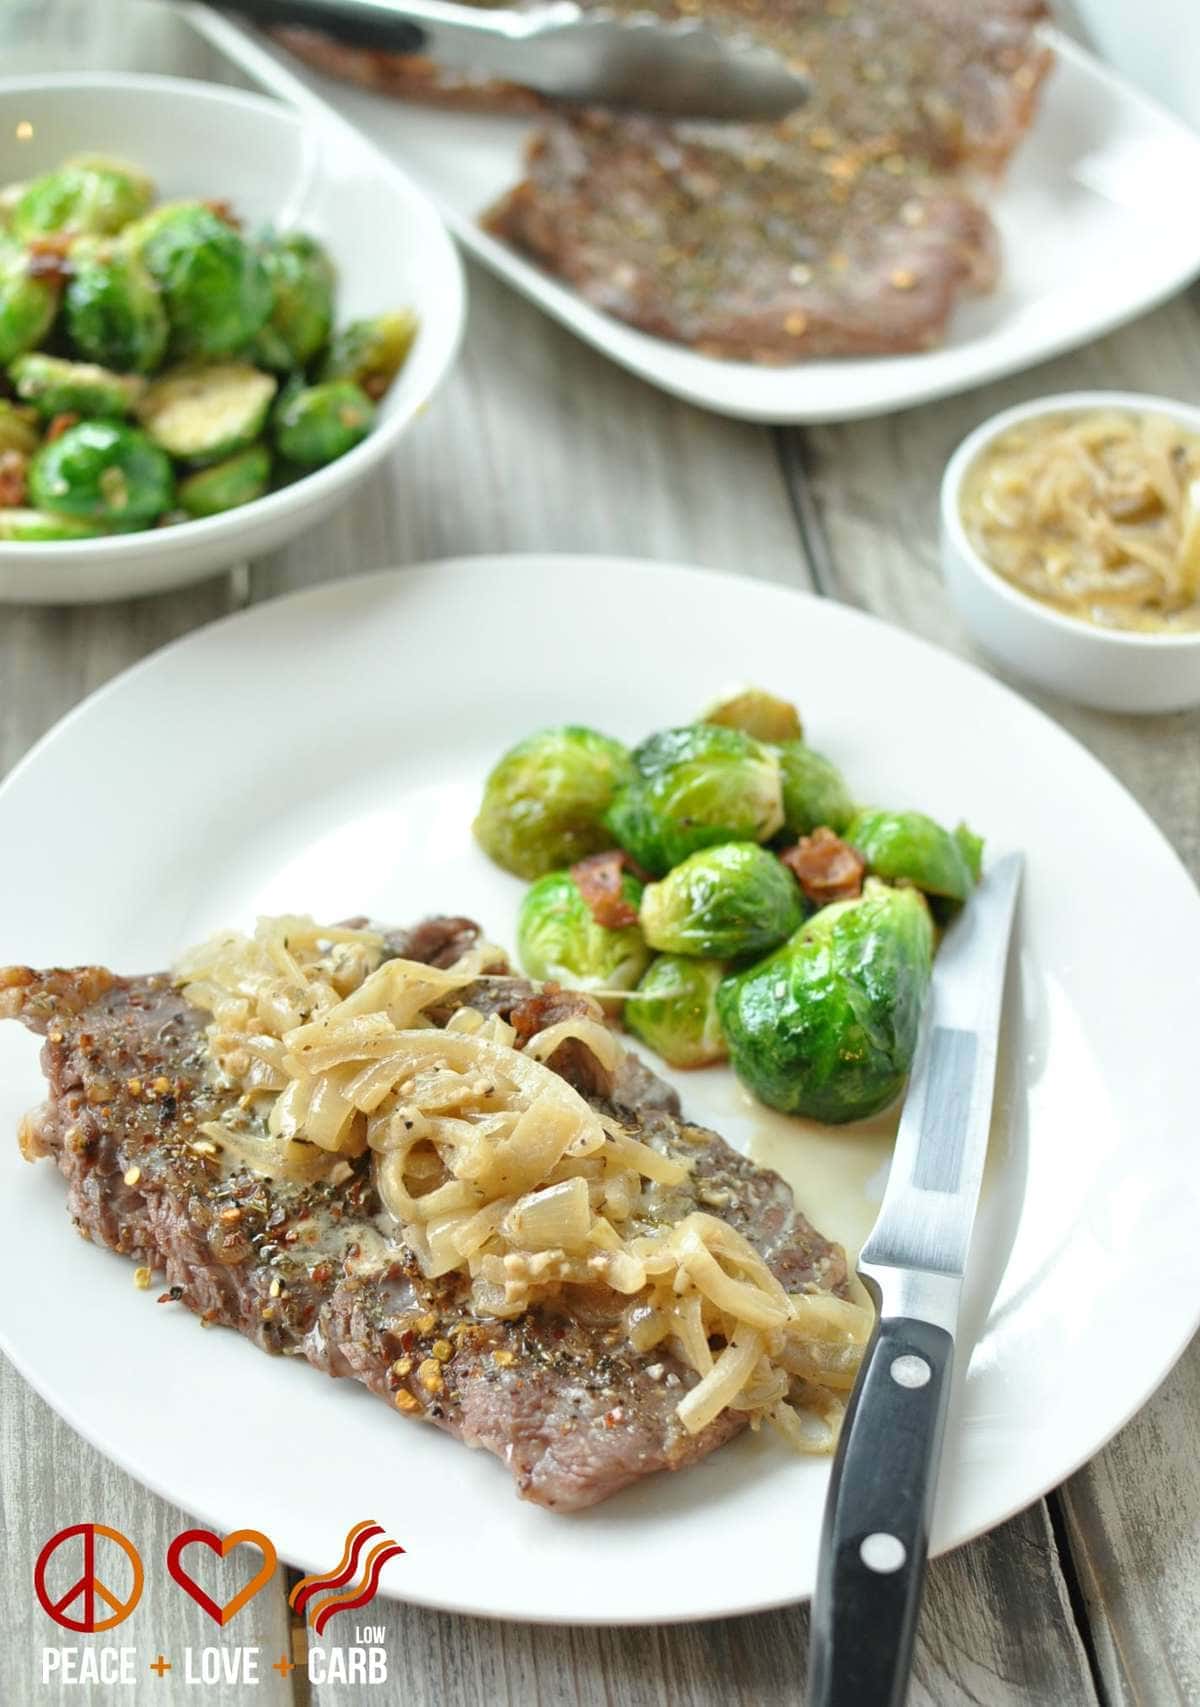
(223, 1548)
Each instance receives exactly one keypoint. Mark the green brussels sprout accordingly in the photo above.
(827, 1025)
(758, 713)
(103, 471)
(302, 280)
(18, 429)
(88, 194)
(204, 414)
(238, 480)
(42, 526)
(370, 353)
(723, 903)
(114, 310)
(814, 792)
(216, 289)
(692, 788)
(543, 803)
(28, 303)
(57, 387)
(10, 195)
(316, 424)
(674, 1010)
(909, 846)
(557, 937)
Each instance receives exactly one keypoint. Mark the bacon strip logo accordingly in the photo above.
(345, 1588)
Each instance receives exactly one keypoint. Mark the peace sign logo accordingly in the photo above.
(88, 1587)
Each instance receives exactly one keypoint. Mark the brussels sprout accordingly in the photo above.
(371, 353)
(827, 1025)
(216, 289)
(316, 424)
(226, 485)
(103, 471)
(302, 280)
(86, 194)
(204, 414)
(17, 429)
(758, 713)
(674, 1010)
(40, 525)
(58, 387)
(28, 303)
(910, 846)
(10, 195)
(723, 902)
(544, 802)
(814, 792)
(114, 310)
(692, 788)
(557, 937)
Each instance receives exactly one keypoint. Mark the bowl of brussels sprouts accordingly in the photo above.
(719, 890)
(217, 316)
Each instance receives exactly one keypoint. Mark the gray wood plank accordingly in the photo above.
(538, 443)
(51, 1479)
(866, 494)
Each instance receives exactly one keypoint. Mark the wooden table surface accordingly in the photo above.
(538, 444)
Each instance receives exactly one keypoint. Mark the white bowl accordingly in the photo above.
(1095, 666)
(272, 164)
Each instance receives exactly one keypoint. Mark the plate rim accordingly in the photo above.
(585, 564)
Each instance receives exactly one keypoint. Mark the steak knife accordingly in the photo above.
(876, 1530)
(683, 68)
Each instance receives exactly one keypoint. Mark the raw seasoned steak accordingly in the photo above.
(317, 1270)
(737, 240)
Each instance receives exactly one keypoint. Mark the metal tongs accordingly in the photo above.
(679, 68)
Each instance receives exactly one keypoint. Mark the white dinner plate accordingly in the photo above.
(325, 753)
(1088, 215)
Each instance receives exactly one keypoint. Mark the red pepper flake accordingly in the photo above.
(60, 424)
(322, 1274)
(826, 868)
(599, 880)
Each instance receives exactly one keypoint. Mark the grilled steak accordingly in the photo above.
(842, 230)
(317, 1271)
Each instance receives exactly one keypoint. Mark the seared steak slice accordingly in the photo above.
(737, 241)
(317, 1270)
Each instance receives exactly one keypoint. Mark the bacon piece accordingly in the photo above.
(826, 867)
(49, 257)
(61, 424)
(13, 467)
(599, 882)
(572, 1060)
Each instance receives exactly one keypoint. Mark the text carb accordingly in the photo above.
(347, 1665)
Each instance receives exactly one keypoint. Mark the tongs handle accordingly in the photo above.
(876, 1532)
(357, 23)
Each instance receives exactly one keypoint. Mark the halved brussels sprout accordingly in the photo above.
(204, 414)
(758, 713)
(370, 353)
(827, 1025)
(674, 1010)
(814, 791)
(214, 284)
(723, 903)
(543, 803)
(103, 471)
(316, 424)
(18, 429)
(114, 310)
(58, 387)
(302, 280)
(909, 846)
(558, 937)
(88, 193)
(28, 303)
(226, 485)
(692, 788)
(41, 525)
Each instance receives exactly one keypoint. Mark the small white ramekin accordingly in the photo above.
(1094, 666)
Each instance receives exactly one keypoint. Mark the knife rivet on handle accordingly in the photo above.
(910, 1371)
(882, 1553)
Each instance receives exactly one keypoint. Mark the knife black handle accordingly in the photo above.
(355, 22)
(876, 1530)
